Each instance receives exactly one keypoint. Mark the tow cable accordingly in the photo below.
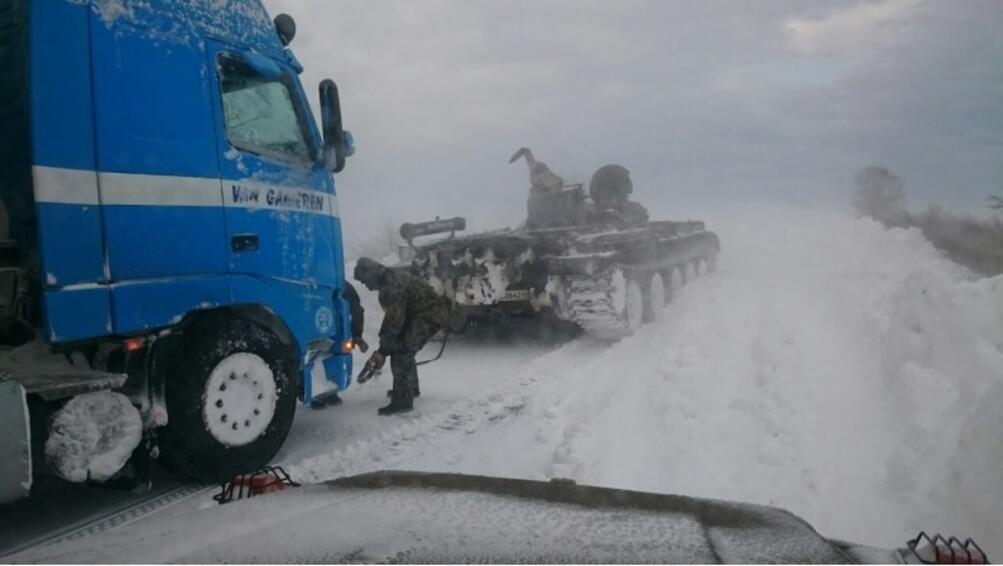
(442, 348)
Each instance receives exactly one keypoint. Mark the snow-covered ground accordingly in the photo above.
(840, 370)
(846, 372)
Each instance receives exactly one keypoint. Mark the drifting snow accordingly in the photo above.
(833, 367)
(92, 436)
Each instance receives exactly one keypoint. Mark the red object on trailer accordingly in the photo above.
(940, 550)
(267, 480)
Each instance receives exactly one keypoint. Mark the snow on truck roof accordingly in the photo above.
(450, 518)
(243, 23)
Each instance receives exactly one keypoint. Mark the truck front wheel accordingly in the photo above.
(231, 396)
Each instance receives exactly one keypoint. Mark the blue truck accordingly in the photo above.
(171, 257)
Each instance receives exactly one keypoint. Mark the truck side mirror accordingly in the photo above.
(285, 27)
(338, 144)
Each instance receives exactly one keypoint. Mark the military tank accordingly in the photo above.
(591, 258)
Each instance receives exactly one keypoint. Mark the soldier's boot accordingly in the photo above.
(398, 405)
(327, 401)
(415, 392)
(401, 400)
(411, 384)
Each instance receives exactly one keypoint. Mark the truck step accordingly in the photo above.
(59, 383)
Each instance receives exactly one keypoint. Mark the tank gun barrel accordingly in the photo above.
(412, 230)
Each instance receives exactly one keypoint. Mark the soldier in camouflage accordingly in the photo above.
(611, 188)
(413, 313)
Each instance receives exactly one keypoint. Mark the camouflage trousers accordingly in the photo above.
(402, 354)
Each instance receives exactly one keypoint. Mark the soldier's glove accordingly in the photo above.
(378, 359)
(361, 344)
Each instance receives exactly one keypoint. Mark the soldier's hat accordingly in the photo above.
(368, 270)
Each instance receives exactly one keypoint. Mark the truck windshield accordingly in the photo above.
(260, 113)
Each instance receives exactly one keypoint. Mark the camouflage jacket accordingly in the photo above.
(407, 301)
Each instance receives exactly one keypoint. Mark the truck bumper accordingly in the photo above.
(15, 442)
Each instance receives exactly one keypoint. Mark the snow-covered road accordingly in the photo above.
(840, 370)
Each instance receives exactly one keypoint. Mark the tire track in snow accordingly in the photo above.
(412, 436)
(615, 417)
(561, 430)
(575, 417)
(778, 398)
(658, 400)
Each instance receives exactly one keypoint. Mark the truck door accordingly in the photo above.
(278, 198)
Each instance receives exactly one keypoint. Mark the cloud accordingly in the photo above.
(705, 102)
(852, 29)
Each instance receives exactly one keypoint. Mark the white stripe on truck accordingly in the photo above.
(65, 186)
(57, 185)
(158, 190)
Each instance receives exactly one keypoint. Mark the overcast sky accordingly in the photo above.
(705, 102)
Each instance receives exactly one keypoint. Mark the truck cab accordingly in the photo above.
(172, 232)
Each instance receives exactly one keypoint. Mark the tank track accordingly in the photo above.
(597, 305)
(593, 304)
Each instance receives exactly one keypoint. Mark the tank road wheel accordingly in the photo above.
(658, 295)
(679, 277)
(665, 275)
(628, 300)
(711, 262)
(230, 396)
(634, 311)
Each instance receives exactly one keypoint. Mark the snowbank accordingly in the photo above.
(943, 370)
(845, 371)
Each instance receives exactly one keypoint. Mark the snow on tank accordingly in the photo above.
(591, 258)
